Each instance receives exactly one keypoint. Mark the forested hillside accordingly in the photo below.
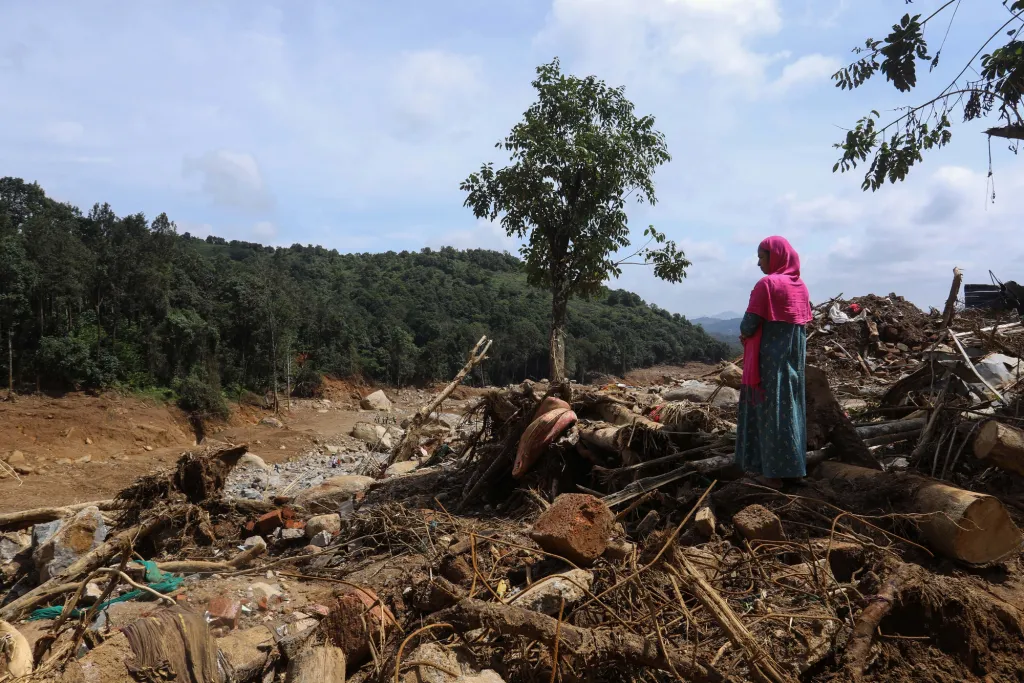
(96, 299)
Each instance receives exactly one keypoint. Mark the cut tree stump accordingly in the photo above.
(1001, 445)
(967, 526)
(318, 664)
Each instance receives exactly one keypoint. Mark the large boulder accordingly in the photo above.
(373, 435)
(76, 537)
(577, 526)
(329, 523)
(333, 492)
(696, 391)
(376, 401)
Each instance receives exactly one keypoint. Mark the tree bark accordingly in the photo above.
(10, 362)
(559, 308)
(954, 291)
(1002, 445)
(964, 525)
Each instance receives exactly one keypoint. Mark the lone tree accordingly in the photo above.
(577, 155)
(988, 85)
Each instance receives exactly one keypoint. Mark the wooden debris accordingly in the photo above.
(1001, 445)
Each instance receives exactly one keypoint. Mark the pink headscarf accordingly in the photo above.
(779, 296)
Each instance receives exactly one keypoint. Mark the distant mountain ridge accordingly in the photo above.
(722, 329)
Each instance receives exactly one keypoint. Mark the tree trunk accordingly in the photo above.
(967, 526)
(288, 381)
(556, 347)
(10, 362)
(273, 366)
(1001, 445)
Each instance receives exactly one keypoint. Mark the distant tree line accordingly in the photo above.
(97, 300)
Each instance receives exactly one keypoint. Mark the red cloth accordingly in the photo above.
(780, 296)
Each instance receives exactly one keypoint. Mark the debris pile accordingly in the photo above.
(576, 532)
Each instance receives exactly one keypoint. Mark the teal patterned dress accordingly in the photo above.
(771, 433)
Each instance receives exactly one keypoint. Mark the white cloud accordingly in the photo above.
(813, 68)
(429, 85)
(678, 35)
(231, 179)
(484, 235)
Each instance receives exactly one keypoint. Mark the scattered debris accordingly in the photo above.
(575, 531)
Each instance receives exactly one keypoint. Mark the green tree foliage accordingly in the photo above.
(111, 300)
(990, 84)
(579, 152)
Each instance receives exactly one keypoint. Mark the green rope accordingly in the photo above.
(160, 581)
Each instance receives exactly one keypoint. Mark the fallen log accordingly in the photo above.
(239, 561)
(317, 664)
(827, 423)
(893, 438)
(26, 518)
(86, 564)
(1000, 445)
(967, 526)
(590, 647)
(885, 428)
(403, 450)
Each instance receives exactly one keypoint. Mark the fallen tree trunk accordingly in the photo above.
(859, 644)
(886, 428)
(86, 564)
(1000, 445)
(967, 526)
(206, 567)
(893, 438)
(589, 646)
(405, 447)
(318, 664)
(827, 423)
(26, 518)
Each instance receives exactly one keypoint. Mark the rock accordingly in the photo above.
(270, 522)
(758, 523)
(439, 659)
(84, 459)
(292, 534)
(254, 460)
(485, 676)
(546, 594)
(80, 534)
(329, 523)
(400, 468)
(321, 540)
(149, 449)
(332, 449)
(253, 541)
(619, 549)
(699, 392)
(356, 614)
(88, 441)
(266, 594)
(12, 545)
(332, 493)
(456, 569)
(272, 422)
(41, 533)
(705, 522)
(312, 550)
(577, 526)
(375, 401)
(224, 611)
(648, 524)
(853, 405)
(93, 592)
(16, 458)
(373, 435)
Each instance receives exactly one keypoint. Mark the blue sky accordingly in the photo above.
(351, 124)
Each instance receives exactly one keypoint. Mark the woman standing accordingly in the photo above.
(771, 438)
